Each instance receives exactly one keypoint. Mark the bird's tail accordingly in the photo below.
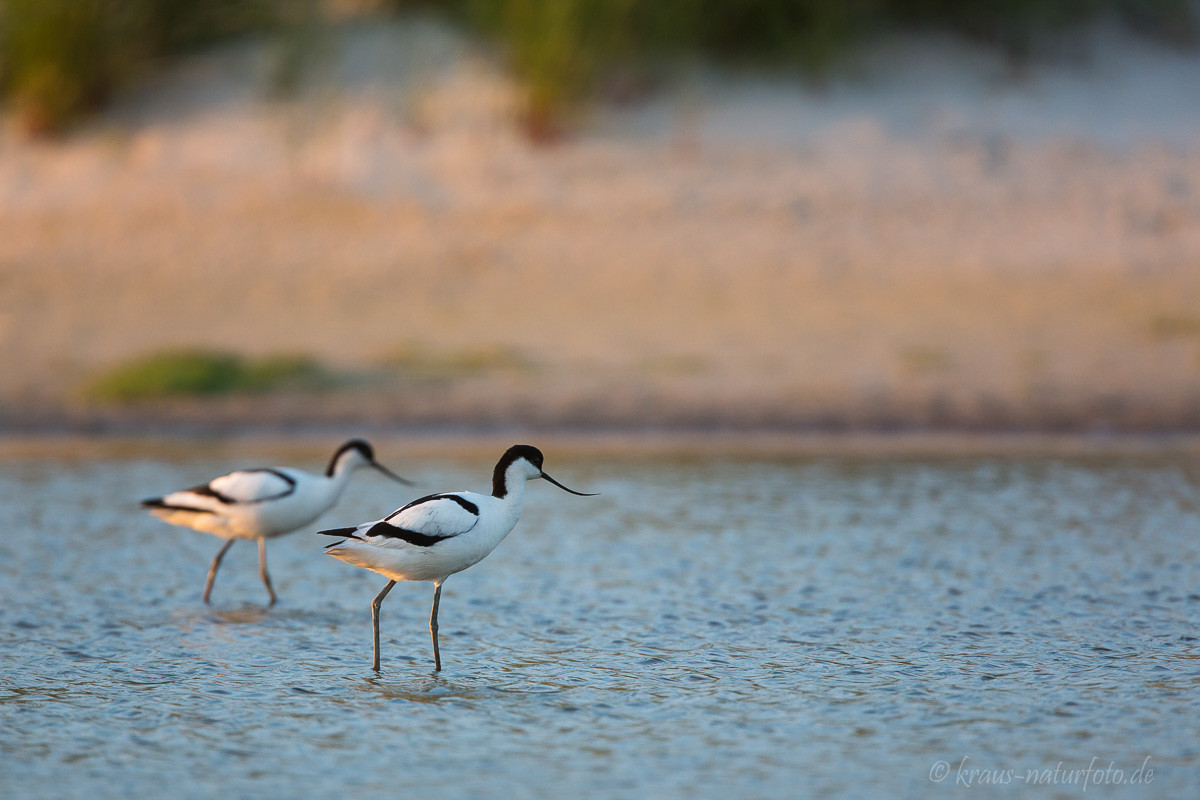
(342, 533)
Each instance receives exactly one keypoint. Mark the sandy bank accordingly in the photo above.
(928, 240)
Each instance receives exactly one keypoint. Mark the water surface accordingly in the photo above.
(707, 627)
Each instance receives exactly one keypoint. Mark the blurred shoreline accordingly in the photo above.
(925, 242)
(414, 445)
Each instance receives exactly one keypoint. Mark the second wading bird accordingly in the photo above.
(263, 503)
(434, 537)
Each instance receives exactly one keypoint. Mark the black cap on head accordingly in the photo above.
(511, 456)
(361, 445)
(525, 451)
(516, 453)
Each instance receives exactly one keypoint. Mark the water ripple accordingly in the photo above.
(851, 624)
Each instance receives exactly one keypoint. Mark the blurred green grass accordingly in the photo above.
(60, 59)
(207, 373)
(562, 50)
(203, 373)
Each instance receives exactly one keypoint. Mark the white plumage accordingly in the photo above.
(262, 503)
(436, 536)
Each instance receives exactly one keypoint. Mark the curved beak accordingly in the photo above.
(391, 474)
(565, 489)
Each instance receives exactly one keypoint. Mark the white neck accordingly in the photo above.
(336, 483)
(514, 496)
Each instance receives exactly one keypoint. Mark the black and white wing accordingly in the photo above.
(249, 486)
(423, 522)
(243, 487)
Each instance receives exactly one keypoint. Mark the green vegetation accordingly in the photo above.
(200, 373)
(203, 373)
(562, 49)
(55, 63)
(62, 58)
(555, 48)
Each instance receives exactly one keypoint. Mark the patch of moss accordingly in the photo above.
(203, 373)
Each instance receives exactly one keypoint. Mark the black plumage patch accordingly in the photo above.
(462, 501)
(511, 455)
(156, 502)
(207, 490)
(288, 479)
(412, 537)
(337, 532)
(341, 533)
(361, 445)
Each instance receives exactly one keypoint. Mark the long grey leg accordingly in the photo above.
(433, 627)
(375, 619)
(262, 569)
(212, 569)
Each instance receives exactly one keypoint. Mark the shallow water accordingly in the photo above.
(705, 628)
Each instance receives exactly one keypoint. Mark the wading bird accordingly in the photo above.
(263, 503)
(434, 537)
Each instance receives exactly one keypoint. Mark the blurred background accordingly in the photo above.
(600, 214)
(652, 237)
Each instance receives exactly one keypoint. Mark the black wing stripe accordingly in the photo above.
(158, 503)
(412, 537)
(207, 490)
(462, 501)
(288, 479)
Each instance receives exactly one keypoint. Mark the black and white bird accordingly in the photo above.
(263, 503)
(434, 537)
